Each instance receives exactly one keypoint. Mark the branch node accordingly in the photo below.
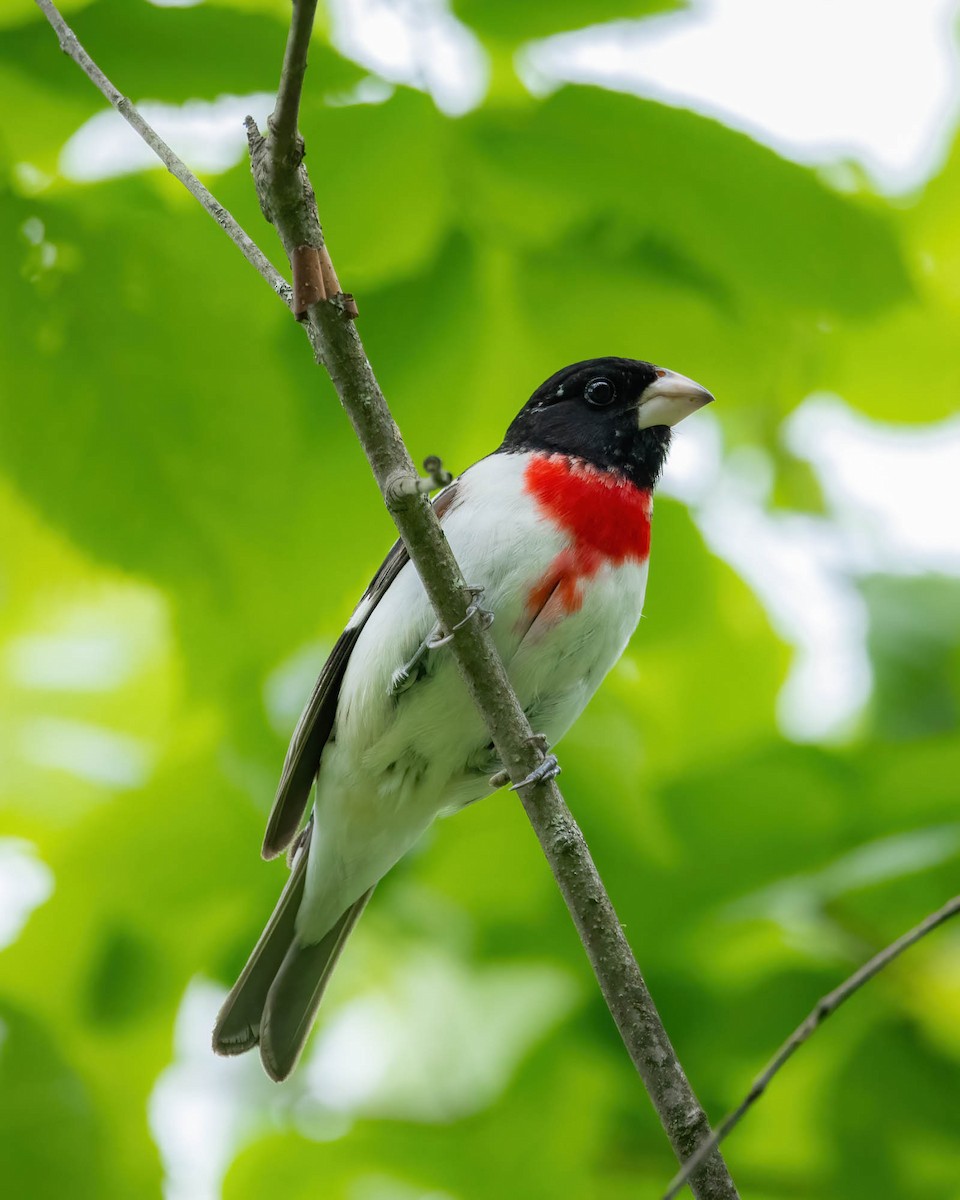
(399, 487)
(403, 484)
(290, 156)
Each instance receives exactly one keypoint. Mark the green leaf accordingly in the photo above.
(633, 185)
(915, 648)
(170, 54)
(556, 1115)
(134, 467)
(892, 1090)
(518, 22)
(50, 1141)
(382, 183)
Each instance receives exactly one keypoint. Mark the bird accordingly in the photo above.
(552, 534)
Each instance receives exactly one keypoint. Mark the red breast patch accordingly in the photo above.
(605, 516)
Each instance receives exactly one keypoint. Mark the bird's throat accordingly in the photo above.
(604, 515)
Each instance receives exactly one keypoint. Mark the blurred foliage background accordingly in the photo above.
(768, 780)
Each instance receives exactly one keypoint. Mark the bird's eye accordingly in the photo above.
(599, 393)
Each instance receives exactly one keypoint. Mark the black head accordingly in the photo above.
(614, 413)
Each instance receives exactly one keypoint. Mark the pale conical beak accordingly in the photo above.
(669, 399)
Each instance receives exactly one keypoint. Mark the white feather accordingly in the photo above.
(396, 761)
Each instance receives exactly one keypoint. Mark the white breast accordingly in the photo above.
(504, 545)
(396, 760)
(500, 542)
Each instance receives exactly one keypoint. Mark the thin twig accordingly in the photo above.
(287, 200)
(282, 180)
(70, 45)
(822, 1009)
(283, 123)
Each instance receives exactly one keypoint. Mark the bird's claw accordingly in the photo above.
(484, 615)
(548, 769)
(403, 677)
(474, 609)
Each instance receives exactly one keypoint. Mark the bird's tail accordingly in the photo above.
(276, 998)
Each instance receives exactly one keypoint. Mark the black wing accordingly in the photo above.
(316, 721)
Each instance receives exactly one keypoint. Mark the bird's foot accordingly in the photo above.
(438, 638)
(548, 769)
(484, 615)
(405, 676)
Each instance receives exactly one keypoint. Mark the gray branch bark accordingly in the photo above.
(287, 199)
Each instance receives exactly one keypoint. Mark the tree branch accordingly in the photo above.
(175, 165)
(821, 1010)
(283, 124)
(287, 200)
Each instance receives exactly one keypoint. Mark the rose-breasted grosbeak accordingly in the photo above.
(554, 527)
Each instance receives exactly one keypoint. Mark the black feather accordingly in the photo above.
(560, 418)
(316, 721)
